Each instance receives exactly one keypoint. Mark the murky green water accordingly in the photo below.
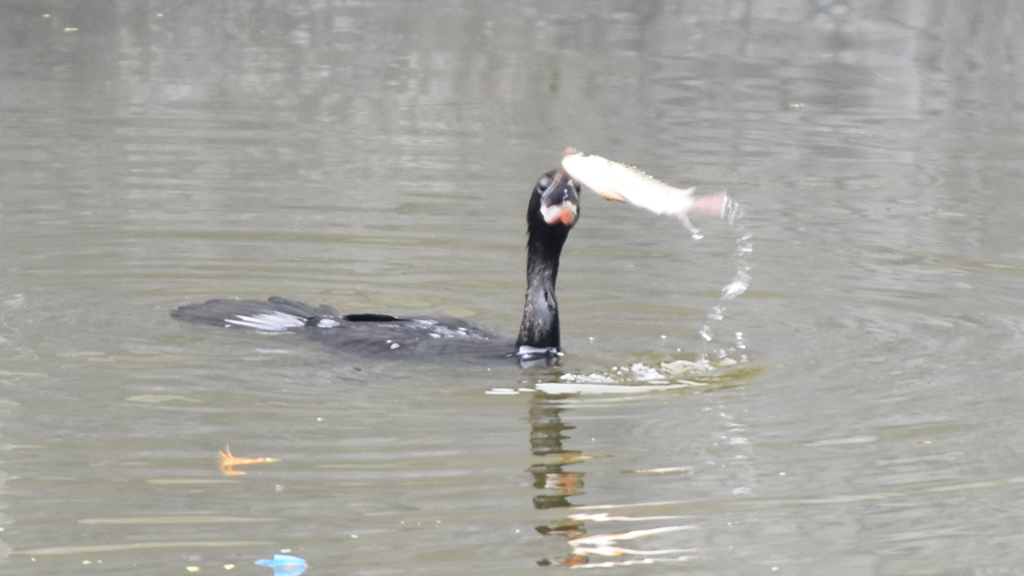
(378, 157)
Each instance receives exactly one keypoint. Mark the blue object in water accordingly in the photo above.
(284, 565)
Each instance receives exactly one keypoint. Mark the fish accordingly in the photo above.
(625, 183)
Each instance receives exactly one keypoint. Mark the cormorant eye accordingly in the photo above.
(543, 183)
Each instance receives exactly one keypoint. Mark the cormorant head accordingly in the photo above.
(555, 202)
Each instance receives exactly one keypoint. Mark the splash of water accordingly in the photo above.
(695, 232)
(716, 354)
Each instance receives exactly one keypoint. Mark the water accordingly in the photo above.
(860, 412)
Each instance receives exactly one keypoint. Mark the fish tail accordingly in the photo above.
(711, 204)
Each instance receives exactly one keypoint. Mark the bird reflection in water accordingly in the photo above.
(548, 434)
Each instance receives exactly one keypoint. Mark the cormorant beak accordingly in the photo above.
(560, 202)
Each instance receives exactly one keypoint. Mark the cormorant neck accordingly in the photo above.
(539, 328)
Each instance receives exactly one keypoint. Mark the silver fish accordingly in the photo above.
(625, 183)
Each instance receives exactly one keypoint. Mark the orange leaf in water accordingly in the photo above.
(228, 461)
